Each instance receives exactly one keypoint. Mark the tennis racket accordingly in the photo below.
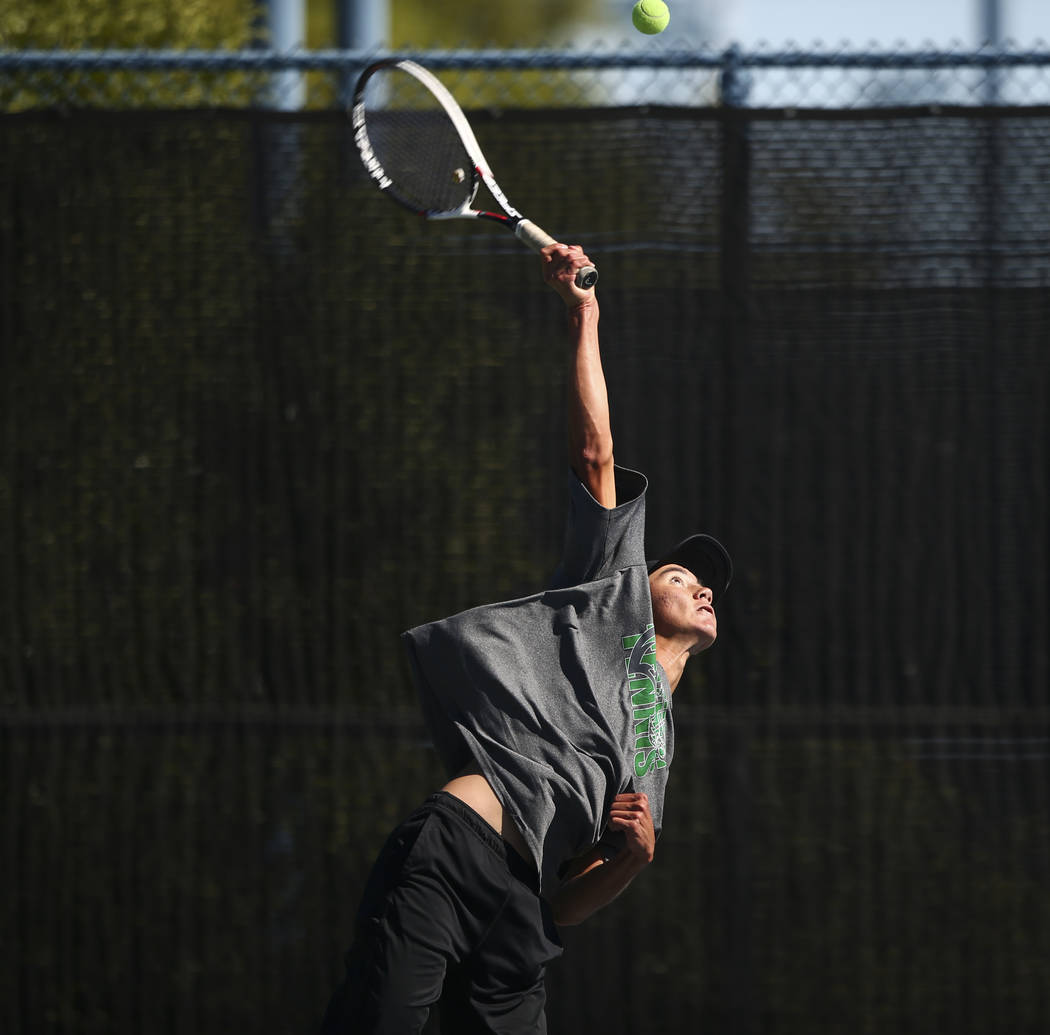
(419, 149)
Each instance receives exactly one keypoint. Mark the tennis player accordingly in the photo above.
(552, 715)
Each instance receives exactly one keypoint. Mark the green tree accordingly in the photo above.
(541, 22)
(90, 24)
(238, 24)
(230, 24)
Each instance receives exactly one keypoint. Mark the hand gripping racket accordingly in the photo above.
(419, 148)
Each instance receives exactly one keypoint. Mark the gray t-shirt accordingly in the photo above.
(558, 696)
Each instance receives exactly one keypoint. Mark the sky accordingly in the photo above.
(887, 23)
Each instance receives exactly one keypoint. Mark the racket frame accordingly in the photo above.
(524, 229)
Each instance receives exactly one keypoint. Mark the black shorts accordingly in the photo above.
(451, 907)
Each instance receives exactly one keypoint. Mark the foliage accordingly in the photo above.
(75, 24)
(234, 24)
(230, 24)
(454, 24)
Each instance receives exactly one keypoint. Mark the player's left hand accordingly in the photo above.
(630, 814)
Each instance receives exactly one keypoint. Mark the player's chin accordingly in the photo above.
(705, 638)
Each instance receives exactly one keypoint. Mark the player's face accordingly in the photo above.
(682, 606)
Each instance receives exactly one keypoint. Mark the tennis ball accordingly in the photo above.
(650, 16)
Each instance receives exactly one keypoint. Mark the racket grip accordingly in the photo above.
(531, 235)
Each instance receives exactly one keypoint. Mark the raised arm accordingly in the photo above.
(590, 431)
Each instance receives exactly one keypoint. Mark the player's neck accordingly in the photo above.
(672, 655)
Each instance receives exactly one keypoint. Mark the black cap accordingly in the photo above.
(705, 557)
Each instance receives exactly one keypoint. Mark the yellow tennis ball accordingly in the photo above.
(650, 16)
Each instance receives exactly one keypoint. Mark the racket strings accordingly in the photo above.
(417, 143)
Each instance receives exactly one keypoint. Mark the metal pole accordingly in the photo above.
(991, 22)
(991, 39)
(362, 24)
(287, 25)
(732, 763)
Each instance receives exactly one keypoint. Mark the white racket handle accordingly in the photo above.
(531, 235)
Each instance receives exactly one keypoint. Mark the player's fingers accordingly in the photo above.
(632, 798)
(557, 261)
(570, 254)
(631, 814)
(577, 257)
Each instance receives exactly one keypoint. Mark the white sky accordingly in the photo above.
(887, 23)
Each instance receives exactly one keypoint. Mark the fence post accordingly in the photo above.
(287, 28)
(731, 757)
(736, 201)
(361, 25)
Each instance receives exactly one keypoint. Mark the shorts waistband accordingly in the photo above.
(452, 805)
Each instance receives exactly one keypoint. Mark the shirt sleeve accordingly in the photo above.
(598, 540)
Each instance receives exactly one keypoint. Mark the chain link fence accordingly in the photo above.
(835, 79)
(238, 456)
